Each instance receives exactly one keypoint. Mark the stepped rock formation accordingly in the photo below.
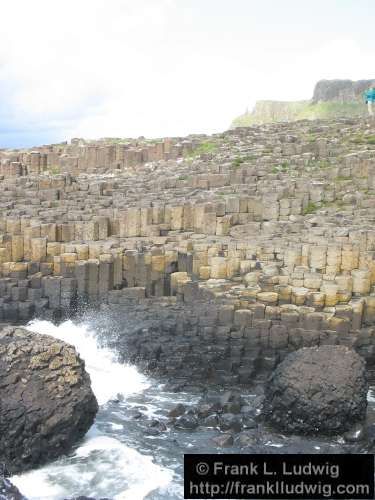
(331, 99)
(221, 253)
(46, 399)
(317, 390)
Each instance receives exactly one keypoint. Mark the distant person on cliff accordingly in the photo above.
(370, 98)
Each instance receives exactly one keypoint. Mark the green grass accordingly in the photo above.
(329, 204)
(311, 138)
(249, 157)
(358, 139)
(283, 167)
(333, 110)
(55, 170)
(363, 139)
(182, 177)
(318, 164)
(237, 162)
(203, 148)
(323, 164)
(310, 208)
(341, 178)
(278, 111)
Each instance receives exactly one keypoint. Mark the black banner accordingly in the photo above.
(289, 477)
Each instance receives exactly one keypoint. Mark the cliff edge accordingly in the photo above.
(331, 99)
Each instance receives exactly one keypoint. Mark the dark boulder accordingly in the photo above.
(204, 410)
(177, 411)
(155, 428)
(228, 421)
(317, 390)
(186, 422)
(211, 421)
(46, 401)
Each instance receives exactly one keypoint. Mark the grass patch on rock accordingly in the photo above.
(311, 208)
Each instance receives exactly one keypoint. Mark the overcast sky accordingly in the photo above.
(124, 68)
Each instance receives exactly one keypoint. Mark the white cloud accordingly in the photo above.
(126, 68)
(78, 58)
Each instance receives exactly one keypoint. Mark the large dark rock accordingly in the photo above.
(319, 389)
(46, 401)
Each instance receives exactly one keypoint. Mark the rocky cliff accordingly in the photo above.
(331, 99)
(340, 90)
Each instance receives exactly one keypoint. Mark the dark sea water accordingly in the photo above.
(121, 457)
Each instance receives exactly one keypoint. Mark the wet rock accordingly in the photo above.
(118, 399)
(134, 413)
(186, 422)
(216, 407)
(162, 426)
(246, 438)
(156, 427)
(226, 397)
(177, 411)
(228, 421)
(257, 404)
(259, 389)
(47, 403)
(137, 415)
(248, 422)
(152, 431)
(321, 389)
(230, 397)
(247, 409)
(223, 441)
(87, 498)
(176, 387)
(355, 434)
(369, 443)
(232, 407)
(204, 410)
(211, 421)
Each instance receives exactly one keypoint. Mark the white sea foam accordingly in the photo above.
(101, 467)
(108, 377)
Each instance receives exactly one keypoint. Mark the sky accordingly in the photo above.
(156, 68)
